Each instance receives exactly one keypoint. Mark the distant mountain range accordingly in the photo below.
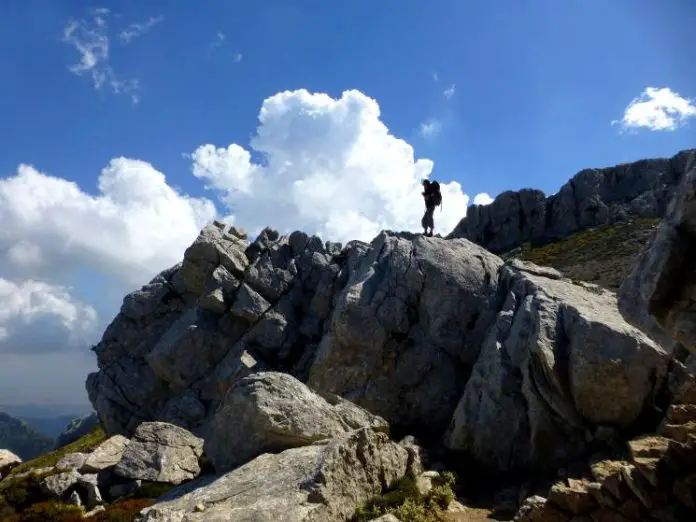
(22, 439)
(30, 430)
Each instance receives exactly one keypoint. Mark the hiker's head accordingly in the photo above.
(426, 182)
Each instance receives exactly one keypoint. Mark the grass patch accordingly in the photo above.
(604, 255)
(84, 444)
(48, 512)
(18, 493)
(406, 503)
(122, 511)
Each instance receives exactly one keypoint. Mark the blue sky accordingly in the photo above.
(516, 93)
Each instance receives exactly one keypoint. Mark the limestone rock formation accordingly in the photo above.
(660, 294)
(270, 412)
(76, 429)
(592, 197)
(423, 332)
(322, 482)
(546, 378)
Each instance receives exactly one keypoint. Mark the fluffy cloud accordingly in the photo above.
(657, 110)
(483, 199)
(331, 167)
(135, 227)
(38, 317)
(449, 92)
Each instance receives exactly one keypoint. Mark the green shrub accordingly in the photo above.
(405, 502)
(21, 492)
(84, 444)
(122, 511)
(51, 512)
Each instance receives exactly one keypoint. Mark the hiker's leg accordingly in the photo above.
(428, 220)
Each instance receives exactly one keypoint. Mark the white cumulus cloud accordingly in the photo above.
(38, 317)
(136, 226)
(483, 198)
(657, 109)
(330, 167)
(449, 92)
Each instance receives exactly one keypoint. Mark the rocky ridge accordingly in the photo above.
(434, 336)
(592, 197)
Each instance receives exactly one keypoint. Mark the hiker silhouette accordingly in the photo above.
(433, 198)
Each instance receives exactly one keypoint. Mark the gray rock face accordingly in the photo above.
(405, 328)
(592, 197)
(161, 452)
(323, 482)
(228, 310)
(77, 428)
(549, 373)
(660, 294)
(429, 334)
(271, 412)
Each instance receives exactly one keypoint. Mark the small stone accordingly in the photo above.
(575, 497)
(95, 511)
(106, 455)
(71, 461)
(57, 485)
(200, 507)
(647, 453)
(75, 499)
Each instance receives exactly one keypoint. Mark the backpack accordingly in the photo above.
(435, 195)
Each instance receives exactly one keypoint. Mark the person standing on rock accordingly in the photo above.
(433, 198)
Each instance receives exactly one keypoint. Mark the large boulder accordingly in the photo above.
(161, 452)
(8, 460)
(106, 455)
(407, 327)
(660, 294)
(323, 482)
(592, 197)
(271, 412)
(558, 367)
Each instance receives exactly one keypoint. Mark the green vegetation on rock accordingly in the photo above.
(122, 511)
(19, 493)
(405, 502)
(604, 255)
(84, 444)
(48, 512)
